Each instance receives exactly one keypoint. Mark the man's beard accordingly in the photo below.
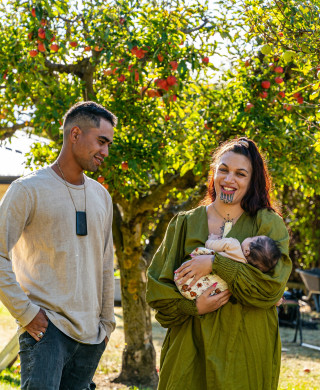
(88, 165)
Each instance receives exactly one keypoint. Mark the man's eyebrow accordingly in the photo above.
(106, 139)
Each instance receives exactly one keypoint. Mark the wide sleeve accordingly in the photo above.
(249, 285)
(15, 214)
(162, 294)
(107, 317)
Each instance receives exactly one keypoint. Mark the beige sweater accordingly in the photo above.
(69, 276)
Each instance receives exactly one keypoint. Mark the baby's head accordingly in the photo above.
(262, 252)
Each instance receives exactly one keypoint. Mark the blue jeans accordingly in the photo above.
(57, 362)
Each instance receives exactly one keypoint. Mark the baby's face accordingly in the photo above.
(245, 246)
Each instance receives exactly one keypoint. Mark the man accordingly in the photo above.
(58, 280)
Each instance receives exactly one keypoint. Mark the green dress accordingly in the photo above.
(236, 347)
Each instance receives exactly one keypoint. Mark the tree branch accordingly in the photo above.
(79, 69)
(160, 192)
(191, 30)
(83, 69)
(6, 132)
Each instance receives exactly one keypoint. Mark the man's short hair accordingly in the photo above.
(86, 115)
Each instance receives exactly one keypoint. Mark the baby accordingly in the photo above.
(261, 252)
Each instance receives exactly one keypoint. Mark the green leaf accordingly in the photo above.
(186, 167)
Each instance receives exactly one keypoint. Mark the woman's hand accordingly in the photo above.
(207, 303)
(197, 267)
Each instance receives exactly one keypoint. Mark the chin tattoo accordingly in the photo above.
(226, 198)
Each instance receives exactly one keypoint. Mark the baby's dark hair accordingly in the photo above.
(264, 254)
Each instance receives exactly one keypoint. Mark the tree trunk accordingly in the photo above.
(139, 357)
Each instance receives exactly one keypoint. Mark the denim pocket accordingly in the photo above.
(27, 342)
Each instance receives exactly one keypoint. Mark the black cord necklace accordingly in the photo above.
(81, 216)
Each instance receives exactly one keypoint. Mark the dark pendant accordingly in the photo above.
(81, 223)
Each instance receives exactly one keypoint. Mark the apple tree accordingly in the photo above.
(144, 61)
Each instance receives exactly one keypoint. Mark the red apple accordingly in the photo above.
(73, 43)
(87, 48)
(106, 185)
(136, 76)
(247, 63)
(160, 57)
(43, 22)
(30, 35)
(287, 107)
(280, 33)
(282, 94)
(33, 53)
(121, 78)
(98, 48)
(300, 99)
(167, 118)
(171, 80)
(278, 69)
(41, 33)
(33, 12)
(122, 20)
(174, 65)
(41, 47)
(162, 84)
(53, 38)
(152, 93)
(248, 107)
(205, 60)
(296, 95)
(54, 47)
(278, 80)
(173, 98)
(100, 179)
(139, 53)
(263, 94)
(124, 165)
(265, 84)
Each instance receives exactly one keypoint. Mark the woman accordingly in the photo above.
(218, 342)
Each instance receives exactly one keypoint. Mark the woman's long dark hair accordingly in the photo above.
(258, 194)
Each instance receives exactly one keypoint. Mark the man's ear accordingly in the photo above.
(74, 134)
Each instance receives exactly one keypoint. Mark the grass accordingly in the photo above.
(300, 368)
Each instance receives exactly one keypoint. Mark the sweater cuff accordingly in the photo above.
(28, 315)
(226, 268)
(188, 307)
(109, 328)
